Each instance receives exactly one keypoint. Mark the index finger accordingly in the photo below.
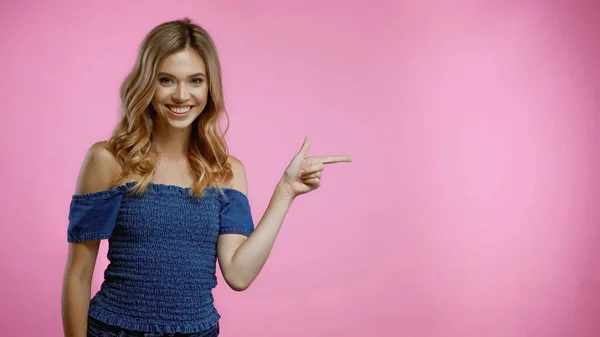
(333, 159)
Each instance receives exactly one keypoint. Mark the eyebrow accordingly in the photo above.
(192, 75)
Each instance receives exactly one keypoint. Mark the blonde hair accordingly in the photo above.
(132, 141)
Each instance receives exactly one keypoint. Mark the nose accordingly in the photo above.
(181, 94)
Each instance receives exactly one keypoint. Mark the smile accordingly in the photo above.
(179, 110)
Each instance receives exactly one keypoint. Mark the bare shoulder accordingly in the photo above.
(98, 170)
(238, 182)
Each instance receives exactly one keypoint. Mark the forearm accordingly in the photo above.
(251, 256)
(75, 306)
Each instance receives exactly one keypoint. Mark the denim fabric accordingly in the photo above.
(99, 329)
(162, 253)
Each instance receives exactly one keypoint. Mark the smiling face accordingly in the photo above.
(181, 90)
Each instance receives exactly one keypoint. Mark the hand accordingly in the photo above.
(303, 174)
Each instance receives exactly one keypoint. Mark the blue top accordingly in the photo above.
(162, 253)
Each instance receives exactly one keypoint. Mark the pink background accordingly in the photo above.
(471, 207)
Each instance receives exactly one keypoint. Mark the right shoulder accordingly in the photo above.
(98, 171)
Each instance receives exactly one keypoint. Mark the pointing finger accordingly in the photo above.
(333, 159)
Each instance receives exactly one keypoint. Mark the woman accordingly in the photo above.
(170, 199)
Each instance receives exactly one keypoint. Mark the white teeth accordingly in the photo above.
(181, 110)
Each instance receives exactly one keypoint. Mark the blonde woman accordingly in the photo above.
(171, 201)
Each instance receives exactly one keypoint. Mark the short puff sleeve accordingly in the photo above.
(93, 216)
(236, 216)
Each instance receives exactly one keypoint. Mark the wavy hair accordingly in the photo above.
(132, 141)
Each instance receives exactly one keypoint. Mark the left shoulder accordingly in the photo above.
(238, 181)
(235, 163)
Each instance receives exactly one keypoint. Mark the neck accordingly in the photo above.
(170, 142)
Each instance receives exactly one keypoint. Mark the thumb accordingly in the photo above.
(305, 147)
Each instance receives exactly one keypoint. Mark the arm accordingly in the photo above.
(96, 173)
(76, 289)
(242, 258)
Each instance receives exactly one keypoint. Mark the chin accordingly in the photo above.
(180, 125)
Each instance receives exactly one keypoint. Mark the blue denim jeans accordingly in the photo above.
(99, 329)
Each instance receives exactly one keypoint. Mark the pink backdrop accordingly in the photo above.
(470, 208)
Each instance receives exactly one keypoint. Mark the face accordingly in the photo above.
(181, 89)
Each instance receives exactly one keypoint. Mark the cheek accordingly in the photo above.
(160, 94)
(159, 97)
(201, 92)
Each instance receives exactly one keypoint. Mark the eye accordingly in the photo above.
(165, 80)
(197, 81)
